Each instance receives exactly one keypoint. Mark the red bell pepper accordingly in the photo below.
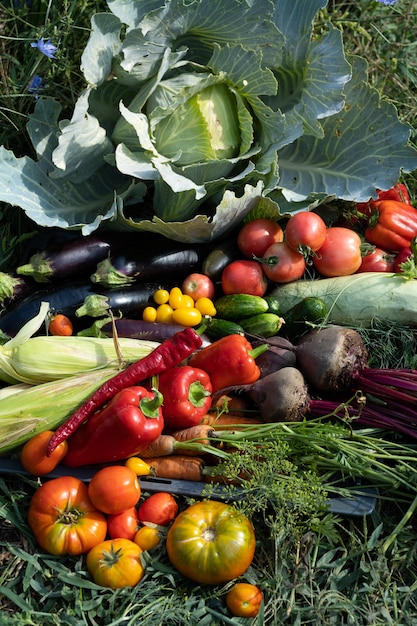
(398, 192)
(392, 225)
(406, 261)
(229, 361)
(129, 423)
(187, 396)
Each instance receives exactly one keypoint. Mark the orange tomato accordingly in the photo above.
(244, 600)
(63, 519)
(114, 489)
(116, 563)
(33, 454)
(60, 325)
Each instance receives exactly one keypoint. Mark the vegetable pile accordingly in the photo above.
(205, 313)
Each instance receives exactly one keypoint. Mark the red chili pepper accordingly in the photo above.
(168, 354)
(127, 425)
(229, 361)
(392, 225)
(398, 192)
(187, 396)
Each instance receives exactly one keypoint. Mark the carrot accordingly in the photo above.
(231, 404)
(178, 467)
(167, 355)
(201, 432)
(225, 419)
(168, 445)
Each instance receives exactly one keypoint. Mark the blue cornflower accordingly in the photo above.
(387, 2)
(46, 47)
(35, 85)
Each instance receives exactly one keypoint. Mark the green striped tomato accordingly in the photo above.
(211, 542)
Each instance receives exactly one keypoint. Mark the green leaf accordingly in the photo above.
(229, 212)
(104, 44)
(364, 147)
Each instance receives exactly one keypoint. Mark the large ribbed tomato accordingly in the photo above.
(63, 518)
(211, 542)
(116, 563)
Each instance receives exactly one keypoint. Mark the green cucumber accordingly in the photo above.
(238, 306)
(309, 309)
(218, 328)
(273, 305)
(263, 324)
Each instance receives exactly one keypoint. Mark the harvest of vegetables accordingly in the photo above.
(209, 373)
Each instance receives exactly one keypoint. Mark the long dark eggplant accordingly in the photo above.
(63, 298)
(76, 257)
(124, 300)
(145, 262)
(69, 297)
(151, 331)
(14, 287)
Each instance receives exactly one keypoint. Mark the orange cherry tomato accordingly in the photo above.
(33, 454)
(60, 325)
(147, 538)
(114, 489)
(244, 600)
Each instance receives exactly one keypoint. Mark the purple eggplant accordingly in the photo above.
(155, 258)
(14, 287)
(75, 257)
(151, 331)
(69, 297)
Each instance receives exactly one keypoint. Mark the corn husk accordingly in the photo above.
(28, 410)
(35, 360)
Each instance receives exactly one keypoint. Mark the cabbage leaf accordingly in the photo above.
(196, 111)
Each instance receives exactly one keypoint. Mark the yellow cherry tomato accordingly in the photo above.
(161, 296)
(149, 314)
(175, 298)
(187, 301)
(164, 314)
(206, 307)
(147, 537)
(137, 465)
(187, 317)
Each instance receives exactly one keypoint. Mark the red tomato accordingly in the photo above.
(256, 236)
(63, 519)
(198, 286)
(340, 255)
(377, 261)
(244, 600)
(282, 264)
(124, 524)
(33, 455)
(244, 277)
(305, 230)
(159, 508)
(114, 489)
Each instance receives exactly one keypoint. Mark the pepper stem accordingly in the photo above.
(197, 394)
(255, 352)
(150, 406)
